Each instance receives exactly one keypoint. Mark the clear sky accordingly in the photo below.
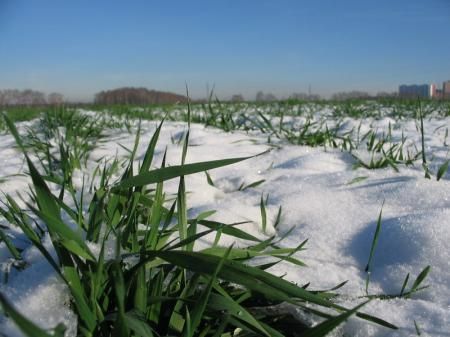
(80, 47)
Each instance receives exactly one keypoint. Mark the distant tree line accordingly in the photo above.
(237, 98)
(301, 96)
(262, 97)
(269, 97)
(142, 96)
(29, 97)
(305, 97)
(385, 94)
(355, 94)
(137, 96)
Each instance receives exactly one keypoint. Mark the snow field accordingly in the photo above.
(314, 187)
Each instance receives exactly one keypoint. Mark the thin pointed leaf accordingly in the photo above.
(329, 325)
(442, 170)
(25, 325)
(167, 173)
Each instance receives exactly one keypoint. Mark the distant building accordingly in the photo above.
(446, 89)
(433, 90)
(414, 91)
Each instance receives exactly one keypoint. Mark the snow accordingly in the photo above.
(313, 186)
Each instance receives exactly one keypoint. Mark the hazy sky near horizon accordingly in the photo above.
(81, 47)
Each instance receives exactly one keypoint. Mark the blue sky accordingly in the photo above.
(242, 46)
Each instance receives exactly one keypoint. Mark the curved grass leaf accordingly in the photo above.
(137, 322)
(229, 229)
(263, 214)
(227, 304)
(233, 271)
(171, 172)
(203, 300)
(24, 324)
(329, 325)
(67, 237)
(418, 281)
(372, 248)
(442, 170)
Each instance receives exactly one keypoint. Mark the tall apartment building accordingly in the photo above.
(414, 91)
(433, 90)
(446, 89)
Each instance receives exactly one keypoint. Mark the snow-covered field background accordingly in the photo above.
(322, 195)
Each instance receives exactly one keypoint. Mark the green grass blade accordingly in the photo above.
(227, 304)
(357, 180)
(9, 244)
(329, 325)
(442, 170)
(209, 179)
(263, 214)
(229, 229)
(278, 217)
(405, 283)
(202, 302)
(252, 185)
(136, 322)
(422, 276)
(45, 198)
(120, 327)
(25, 325)
(233, 271)
(157, 289)
(374, 241)
(167, 173)
(417, 328)
(372, 248)
(376, 320)
(182, 210)
(148, 157)
(68, 238)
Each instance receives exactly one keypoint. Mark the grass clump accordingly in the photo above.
(154, 282)
(417, 284)
(19, 113)
(307, 124)
(384, 152)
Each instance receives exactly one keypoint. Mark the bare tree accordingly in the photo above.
(237, 98)
(24, 97)
(136, 96)
(31, 97)
(384, 94)
(340, 96)
(304, 97)
(55, 98)
(260, 96)
(269, 97)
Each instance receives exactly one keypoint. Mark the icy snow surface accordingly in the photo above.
(312, 185)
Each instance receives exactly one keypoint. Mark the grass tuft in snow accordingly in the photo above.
(156, 284)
